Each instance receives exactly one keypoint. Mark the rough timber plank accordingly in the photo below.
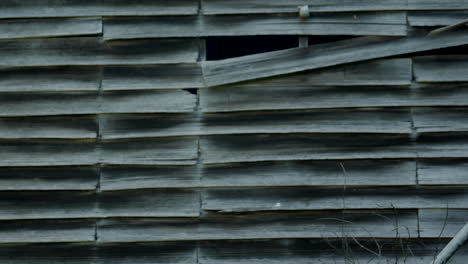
(47, 231)
(323, 55)
(48, 127)
(47, 153)
(378, 23)
(266, 6)
(443, 172)
(436, 120)
(385, 72)
(85, 253)
(73, 8)
(152, 77)
(50, 27)
(300, 198)
(250, 148)
(157, 151)
(49, 79)
(239, 98)
(310, 173)
(142, 177)
(48, 178)
(447, 68)
(160, 101)
(135, 126)
(326, 251)
(441, 222)
(435, 18)
(261, 226)
(149, 203)
(93, 51)
(344, 121)
(443, 146)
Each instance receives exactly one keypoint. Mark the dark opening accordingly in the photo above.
(459, 50)
(218, 48)
(192, 90)
(313, 40)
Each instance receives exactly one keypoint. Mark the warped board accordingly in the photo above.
(265, 6)
(73, 8)
(153, 151)
(443, 172)
(344, 121)
(301, 198)
(252, 148)
(117, 102)
(310, 173)
(238, 98)
(275, 63)
(447, 68)
(435, 18)
(440, 120)
(93, 51)
(159, 101)
(326, 251)
(47, 153)
(85, 253)
(261, 226)
(49, 27)
(152, 77)
(143, 177)
(384, 72)
(48, 178)
(441, 222)
(376, 23)
(68, 204)
(50, 79)
(137, 126)
(48, 127)
(47, 231)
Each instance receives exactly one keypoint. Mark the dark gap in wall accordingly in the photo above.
(459, 50)
(314, 40)
(218, 48)
(192, 90)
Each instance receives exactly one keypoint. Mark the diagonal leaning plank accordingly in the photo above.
(323, 55)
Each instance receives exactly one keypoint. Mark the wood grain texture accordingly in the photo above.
(300, 198)
(48, 178)
(310, 173)
(238, 98)
(47, 231)
(323, 55)
(443, 172)
(344, 121)
(441, 222)
(376, 23)
(442, 145)
(48, 127)
(93, 51)
(50, 27)
(73, 8)
(260, 226)
(152, 77)
(143, 177)
(384, 72)
(47, 153)
(448, 68)
(81, 253)
(265, 6)
(250, 148)
(50, 79)
(435, 18)
(440, 120)
(157, 151)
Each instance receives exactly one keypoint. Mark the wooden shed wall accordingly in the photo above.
(120, 143)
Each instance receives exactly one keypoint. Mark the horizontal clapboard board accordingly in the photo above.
(446, 68)
(441, 222)
(440, 120)
(435, 18)
(443, 172)
(374, 23)
(73, 8)
(266, 6)
(261, 226)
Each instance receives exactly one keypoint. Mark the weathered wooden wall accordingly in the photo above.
(348, 152)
